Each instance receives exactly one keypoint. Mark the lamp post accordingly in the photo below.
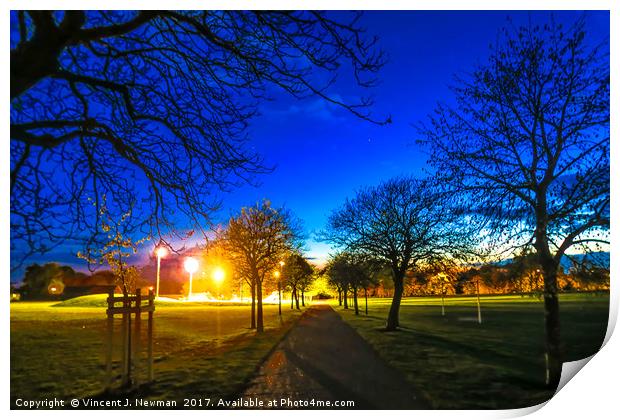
(280, 289)
(442, 277)
(276, 274)
(160, 252)
(191, 266)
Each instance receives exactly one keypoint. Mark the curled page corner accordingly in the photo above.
(569, 370)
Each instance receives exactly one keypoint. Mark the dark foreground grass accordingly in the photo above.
(455, 363)
(200, 351)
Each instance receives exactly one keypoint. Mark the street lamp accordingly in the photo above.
(191, 266)
(160, 252)
(276, 274)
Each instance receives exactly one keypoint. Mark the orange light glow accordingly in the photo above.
(218, 275)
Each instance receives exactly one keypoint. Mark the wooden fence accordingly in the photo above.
(131, 309)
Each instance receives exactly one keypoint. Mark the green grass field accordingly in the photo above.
(455, 363)
(200, 350)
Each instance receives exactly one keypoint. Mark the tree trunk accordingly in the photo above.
(303, 303)
(392, 321)
(297, 299)
(366, 297)
(339, 297)
(253, 322)
(292, 297)
(357, 310)
(259, 306)
(346, 299)
(279, 299)
(553, 355)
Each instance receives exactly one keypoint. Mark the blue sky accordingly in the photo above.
(322, 153)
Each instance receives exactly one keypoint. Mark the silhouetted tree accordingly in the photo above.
(527, 145)
(405, 223)
(297, 272)
(256, 239)
(152, 107)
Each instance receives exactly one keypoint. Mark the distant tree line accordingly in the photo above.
(507, 278)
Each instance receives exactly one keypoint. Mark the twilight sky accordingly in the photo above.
(322, 154)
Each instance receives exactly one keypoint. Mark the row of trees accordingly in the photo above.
(520, 158)
(350, 273)
(260, 246)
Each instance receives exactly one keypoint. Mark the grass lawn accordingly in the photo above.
(200, 350)
(455, 363)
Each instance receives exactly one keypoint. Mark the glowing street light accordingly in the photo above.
(191, 266)
(160, 252)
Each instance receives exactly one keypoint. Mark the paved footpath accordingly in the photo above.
(323, 358)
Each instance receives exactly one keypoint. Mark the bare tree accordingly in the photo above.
(403, 222)
(256, 239)
(297, 273)
(151, 107)
(527, 146)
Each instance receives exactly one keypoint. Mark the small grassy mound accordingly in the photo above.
(89, 301)
(100, 301)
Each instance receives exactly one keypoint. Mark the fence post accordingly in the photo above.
(110, 329)
(137, 334)
(150, 335)
(125, 329)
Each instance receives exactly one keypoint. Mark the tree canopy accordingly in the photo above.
(528, 139)
(151, 108)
